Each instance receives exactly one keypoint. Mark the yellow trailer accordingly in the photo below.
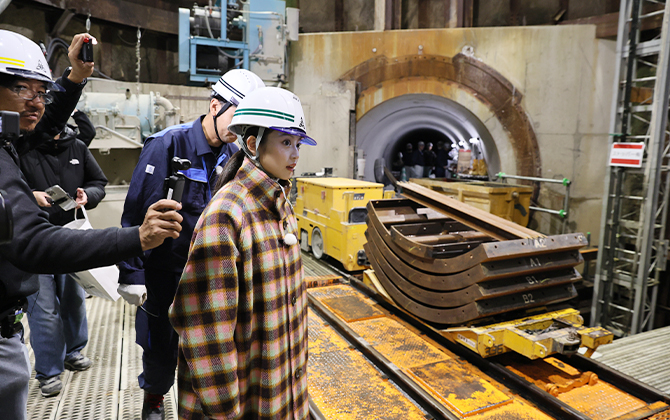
(331, 217)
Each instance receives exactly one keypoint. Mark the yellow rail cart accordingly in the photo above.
(331, 218)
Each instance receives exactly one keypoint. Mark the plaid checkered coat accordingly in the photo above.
(241, 308)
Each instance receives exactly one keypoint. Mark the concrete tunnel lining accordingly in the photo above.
(379, 131)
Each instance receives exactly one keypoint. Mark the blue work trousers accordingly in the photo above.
(155, 334)
(58, 325)
(14, 377)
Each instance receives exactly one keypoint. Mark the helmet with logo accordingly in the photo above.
(236, 84)
(21, 57)
(270, 108)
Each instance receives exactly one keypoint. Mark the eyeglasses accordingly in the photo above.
(30, 95)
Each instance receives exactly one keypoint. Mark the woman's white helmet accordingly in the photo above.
(236, 84)
(21, 57)
(273, 108)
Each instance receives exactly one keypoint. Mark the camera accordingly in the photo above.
(173, 188)
(9, 130)
(86, 53)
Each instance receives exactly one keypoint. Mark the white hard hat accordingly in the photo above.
(236, 84)
(273, 108)
(21, 57)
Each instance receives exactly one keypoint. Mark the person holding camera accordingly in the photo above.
(36, 245)
(207, 145)
(57, 312)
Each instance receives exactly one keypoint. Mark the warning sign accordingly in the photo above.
(627, 154)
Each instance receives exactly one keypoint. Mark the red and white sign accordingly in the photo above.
(627, 154)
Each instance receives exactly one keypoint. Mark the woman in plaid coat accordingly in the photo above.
(241, 306)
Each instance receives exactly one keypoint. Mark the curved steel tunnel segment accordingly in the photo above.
(383, 131)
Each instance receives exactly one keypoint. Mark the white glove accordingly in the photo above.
(135, 294)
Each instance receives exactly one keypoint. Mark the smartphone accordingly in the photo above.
(86, 53)
(61, 197)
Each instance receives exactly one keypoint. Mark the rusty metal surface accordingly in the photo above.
(662, 415)
(351, 308)
(344, 385)
(474, 310)
(482, 272)
(400, 345)
(462, 388)
(485, 252)
(437, 240)
(582, 390)
(474, 292)
(481, 220)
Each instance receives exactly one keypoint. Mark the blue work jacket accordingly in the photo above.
(186, 141)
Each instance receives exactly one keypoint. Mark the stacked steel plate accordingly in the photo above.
(446, 271)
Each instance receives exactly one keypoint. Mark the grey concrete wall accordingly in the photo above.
(564, 73)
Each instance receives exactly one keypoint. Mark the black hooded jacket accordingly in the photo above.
(66, 162)
(38, 246)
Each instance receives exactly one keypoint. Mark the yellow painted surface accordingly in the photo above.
(601, 401)
(496, 198)
(325, 203)
(345, 386)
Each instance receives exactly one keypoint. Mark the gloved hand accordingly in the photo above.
(135, 294)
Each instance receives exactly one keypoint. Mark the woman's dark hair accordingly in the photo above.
(235, 162)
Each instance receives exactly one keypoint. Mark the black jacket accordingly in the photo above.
(66, 162)
(38, 246)
(85, 127)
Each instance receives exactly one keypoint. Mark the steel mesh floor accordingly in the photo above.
(109, 389)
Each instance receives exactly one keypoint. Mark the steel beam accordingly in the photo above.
(158, 18)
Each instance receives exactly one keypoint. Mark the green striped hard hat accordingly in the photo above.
(273, 108)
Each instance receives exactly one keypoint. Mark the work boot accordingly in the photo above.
(50, 386)
(77, 362)
(153, 408)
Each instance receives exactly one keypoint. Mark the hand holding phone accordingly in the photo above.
(86, 52)
(61, 198)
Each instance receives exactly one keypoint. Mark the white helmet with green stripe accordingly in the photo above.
(273, 108)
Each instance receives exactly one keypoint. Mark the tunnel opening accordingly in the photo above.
(386, 129)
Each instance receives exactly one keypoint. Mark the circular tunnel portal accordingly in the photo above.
(385, 130)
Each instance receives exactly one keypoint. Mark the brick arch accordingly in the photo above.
(384, 78)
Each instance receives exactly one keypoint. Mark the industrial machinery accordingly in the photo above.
(250, 34)
(461, 319)
(125, 120)
(331, 217)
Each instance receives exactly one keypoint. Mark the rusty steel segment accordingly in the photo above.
(529, 266)
(458, 388)
(440, 245)
(483, 253)
(474, 293)
(343, 384)
(475, 310)
(492, 225)
(351, 308)
(403, 347)
(423, 362)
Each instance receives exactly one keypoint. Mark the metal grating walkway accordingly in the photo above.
(109, 389)
(644, 356)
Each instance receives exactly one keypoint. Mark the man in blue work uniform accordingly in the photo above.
(208, 144)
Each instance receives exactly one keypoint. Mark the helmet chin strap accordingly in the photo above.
(223, 109)
(257, 162)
